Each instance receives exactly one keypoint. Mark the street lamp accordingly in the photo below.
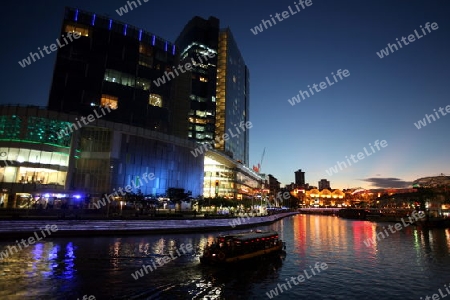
(260, 206)
(210, 184)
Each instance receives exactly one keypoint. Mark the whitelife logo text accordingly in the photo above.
(296, 280)
(281, 17)
(411, 38)
(384, 234)
(90, 118)
(108, 198)
(53, 47)
(225, 137)
(356, 158)
(187, 67)
(162, 261)
(323, 85)
(437, 296)
(423, 123)
(29, 241)
(124, 9)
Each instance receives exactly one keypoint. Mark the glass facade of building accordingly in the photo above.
(232, 99)
(219, 107)
(118, 66)
(220, 88)
(226, 178)
(198, 44)
(32, 155)
(219, 179)
(93, 160)
(39, 130)
(22, 158)
(17, 166)
(93, 166)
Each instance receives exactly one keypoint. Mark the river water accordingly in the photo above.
(406, 264)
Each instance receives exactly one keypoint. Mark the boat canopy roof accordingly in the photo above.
(252, 235)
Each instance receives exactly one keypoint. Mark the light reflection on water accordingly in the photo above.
(407, 264)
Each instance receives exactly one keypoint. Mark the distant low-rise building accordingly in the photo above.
(432, 181)
(324, 184)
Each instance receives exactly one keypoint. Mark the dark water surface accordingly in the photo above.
(407, 264)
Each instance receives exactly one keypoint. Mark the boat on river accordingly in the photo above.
(242, 247)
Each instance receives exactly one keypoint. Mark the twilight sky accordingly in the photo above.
(380, 99)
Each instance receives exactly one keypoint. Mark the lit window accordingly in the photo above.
(109, 101)
(113, 76)
(80, 29)
(146, 61)
(143, 84)
(155, 100)
(126, 79)
(146, 50)
(145, 56)
(199, 128)
(200, 121)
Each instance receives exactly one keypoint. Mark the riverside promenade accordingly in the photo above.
(14, 229)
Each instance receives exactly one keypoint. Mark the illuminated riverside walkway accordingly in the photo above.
(370, 214)
(320, 210)
(23, 228)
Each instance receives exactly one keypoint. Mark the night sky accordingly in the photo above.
(380, 99)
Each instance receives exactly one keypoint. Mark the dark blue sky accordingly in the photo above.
(380, 100)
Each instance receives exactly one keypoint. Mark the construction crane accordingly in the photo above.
(261, 161)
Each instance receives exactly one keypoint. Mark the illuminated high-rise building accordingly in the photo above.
(119, 66)
(219, 89)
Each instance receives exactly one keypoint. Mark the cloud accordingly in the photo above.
(389, 182)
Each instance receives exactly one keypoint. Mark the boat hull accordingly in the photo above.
(217, 258)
